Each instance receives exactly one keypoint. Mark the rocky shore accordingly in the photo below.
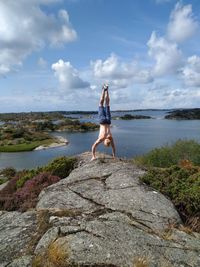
(101, 215)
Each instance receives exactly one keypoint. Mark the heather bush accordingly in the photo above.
(22, 190)
(26, 197)
(27, 175)
(7, 192)
(60, 167)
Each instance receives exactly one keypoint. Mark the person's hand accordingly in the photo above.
(93, 158)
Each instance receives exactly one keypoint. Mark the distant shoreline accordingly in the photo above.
(61, 142)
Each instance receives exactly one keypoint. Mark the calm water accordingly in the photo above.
(134, 137)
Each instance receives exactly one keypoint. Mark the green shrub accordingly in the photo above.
(170, 155)
(8, 172)
(61, 166)
(181, 185)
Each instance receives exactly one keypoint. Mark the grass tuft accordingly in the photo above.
(55, 256)
(141, 262)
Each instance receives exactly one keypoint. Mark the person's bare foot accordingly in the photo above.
(105, 87)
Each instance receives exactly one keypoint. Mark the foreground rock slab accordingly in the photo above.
(101, 215)
(16, 233)
(110, 185)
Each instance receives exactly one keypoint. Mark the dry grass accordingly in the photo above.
(58, 256)
(186, 229)
(193, 223)
(42, 226)
(55, 256)
(167, 235)
(186, 164)
(141, 262)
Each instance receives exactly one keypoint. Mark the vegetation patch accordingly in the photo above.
(22, 190)
(25, 146)
(169, 155)
(6, 174)
(175, 172)
(24, 134)
(184, 114)
(134, 117)
(16, 138)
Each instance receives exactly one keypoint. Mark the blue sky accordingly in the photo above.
(56, 54)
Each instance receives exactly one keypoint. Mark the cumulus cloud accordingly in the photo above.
(25, 27)
(191, 71)
(166, 54)
(68, 76)
(119, 73)
(182, 24)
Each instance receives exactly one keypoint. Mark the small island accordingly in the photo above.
(132, 117)
(184, 114)
(32, 131)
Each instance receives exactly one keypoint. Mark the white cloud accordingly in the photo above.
(166, 54)
(182, 24)
(191, 71)
(68, 76)
(25, 27)
(118, 73)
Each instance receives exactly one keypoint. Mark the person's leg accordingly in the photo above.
(102, 112)
(108, 114)
(102, 98)
(107, 98)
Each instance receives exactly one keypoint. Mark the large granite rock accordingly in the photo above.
(101, 215)
(110, 185)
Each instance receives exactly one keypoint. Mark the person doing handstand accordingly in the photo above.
(105, 135)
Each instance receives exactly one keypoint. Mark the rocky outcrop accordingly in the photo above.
(100, 215)
(184, 114)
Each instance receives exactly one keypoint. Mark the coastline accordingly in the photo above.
(61, 142)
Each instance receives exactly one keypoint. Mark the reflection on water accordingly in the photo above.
(132, 138)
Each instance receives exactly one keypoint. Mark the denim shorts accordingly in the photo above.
(104, 115)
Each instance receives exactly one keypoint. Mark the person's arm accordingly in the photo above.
(113, 147)
(98, 141)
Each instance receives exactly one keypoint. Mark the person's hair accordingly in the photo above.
(107, 142)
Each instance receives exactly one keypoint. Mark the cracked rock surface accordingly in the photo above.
(101, 215)
(110, 186)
